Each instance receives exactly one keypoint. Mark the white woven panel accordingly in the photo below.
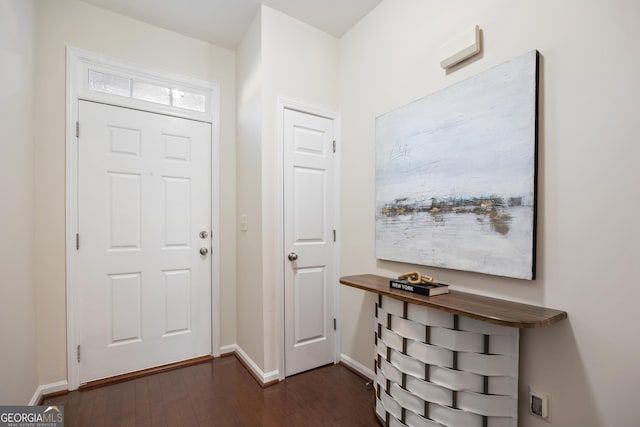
(419, 421)
(456, 380)
(389, 372)
(430, 354)
(436, 369)
(393, 422)
(429, 392)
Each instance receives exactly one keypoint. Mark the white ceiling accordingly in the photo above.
(223, 22)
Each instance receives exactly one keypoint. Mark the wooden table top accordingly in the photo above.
(487, 309)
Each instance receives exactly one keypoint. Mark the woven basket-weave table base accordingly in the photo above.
(434, 368)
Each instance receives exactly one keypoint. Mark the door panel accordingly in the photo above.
(125, 308)
(309, 202)
(309, 223)
(124, 222)
(178, 291)
(177, 213)
(310, 305)
(144, 195)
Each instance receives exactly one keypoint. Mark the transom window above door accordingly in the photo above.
(150, 92)
(110, 81)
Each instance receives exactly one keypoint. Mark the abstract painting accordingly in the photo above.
(456, 175)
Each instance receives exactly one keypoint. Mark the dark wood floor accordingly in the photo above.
(223, 393)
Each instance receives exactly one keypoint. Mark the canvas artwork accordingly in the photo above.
(456, 175)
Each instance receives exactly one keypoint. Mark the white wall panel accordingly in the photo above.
(18, 191)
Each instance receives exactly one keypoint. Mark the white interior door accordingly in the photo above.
(309, 241)
(144, 196)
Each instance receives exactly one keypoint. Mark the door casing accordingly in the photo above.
(79, 61)
(288, 104)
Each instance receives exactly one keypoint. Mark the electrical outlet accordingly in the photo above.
(539, 404)
(244, 225)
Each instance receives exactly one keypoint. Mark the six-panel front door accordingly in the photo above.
(308, 241)
(144, 217)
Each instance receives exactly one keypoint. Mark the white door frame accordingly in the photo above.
(79, 62)
(288, 104)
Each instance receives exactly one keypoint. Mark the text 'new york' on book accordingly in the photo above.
(426, 290)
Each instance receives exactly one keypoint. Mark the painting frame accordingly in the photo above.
(456, 174)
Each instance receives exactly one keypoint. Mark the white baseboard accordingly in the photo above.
(357, 366)
(264, 377)
(233, 348)
(226, 349)
(47, 389)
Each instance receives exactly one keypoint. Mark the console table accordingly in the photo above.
(447, 360)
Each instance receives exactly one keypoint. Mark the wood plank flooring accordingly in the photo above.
(223, 393)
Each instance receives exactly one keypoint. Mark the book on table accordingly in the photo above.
(426, 290)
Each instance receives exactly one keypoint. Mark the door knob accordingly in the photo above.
(293, 256)
(204, 234)
(204, 251)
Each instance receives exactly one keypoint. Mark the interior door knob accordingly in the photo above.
(293, 256)
(204, 251)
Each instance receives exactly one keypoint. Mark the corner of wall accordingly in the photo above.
(249, 284)
(18, 314)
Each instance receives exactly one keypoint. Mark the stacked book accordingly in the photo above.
(427, 290)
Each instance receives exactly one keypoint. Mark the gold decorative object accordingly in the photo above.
(417, 278)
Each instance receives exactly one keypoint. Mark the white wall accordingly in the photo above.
(19, 365)
(249, 309)
(588, 233)
(69, 22)
(300, 63)
(278, 57)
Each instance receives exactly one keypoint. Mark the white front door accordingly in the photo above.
(144, 196)
(308, 241)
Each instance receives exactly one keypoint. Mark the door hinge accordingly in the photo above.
(78, 353)
(334, 145)
(334, 235)
(335, 325)
(77, 241)
(77, 129)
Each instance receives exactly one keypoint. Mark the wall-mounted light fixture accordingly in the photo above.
(462, 47)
